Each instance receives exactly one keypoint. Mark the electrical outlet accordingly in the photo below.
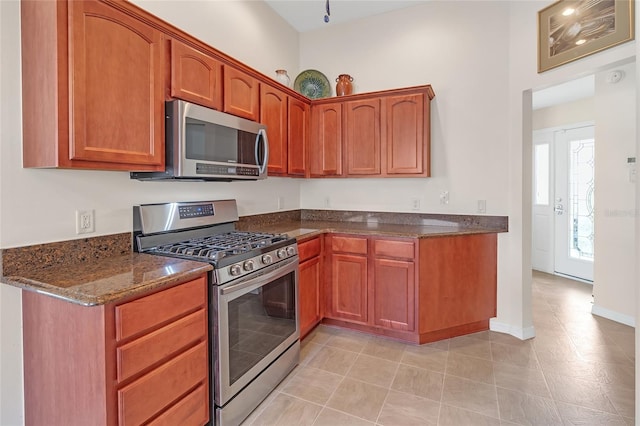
(415, 204)
(482, 206)
(280, 203)
(85, 222)
(327, 202)
(444, 197)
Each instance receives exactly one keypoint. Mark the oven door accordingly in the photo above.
(256, 321)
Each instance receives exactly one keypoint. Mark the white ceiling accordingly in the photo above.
(308, 15)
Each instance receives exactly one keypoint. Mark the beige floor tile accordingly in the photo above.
(611, 354)
(419, 382)
(578, 369)
(258, 410)
(471, 347)
(623, 400)
(522, 356)
(320, 335)
(333, 360)
(313, 385)
(584, 393)
(530, 381)
(286, 410)
(454, 416)
(480, 370)
(615, 376)
(576, 415)
(400, 409)
(526, 409)
(384, 348)
(308, 350)
(470, 395)
(354, 342)
(376, 371)
(330, 417)
(426, 357)
(358, 398)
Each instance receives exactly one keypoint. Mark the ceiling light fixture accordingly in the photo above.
(581, 41)
(568, 11)
(326, 17)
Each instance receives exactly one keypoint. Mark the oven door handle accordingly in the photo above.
(273, 272)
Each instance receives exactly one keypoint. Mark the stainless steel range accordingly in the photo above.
(253, 313)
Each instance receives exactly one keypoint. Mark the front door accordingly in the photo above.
(574, 202)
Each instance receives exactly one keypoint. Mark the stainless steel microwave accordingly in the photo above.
(205, 144)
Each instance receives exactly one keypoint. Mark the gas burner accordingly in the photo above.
(216, 247)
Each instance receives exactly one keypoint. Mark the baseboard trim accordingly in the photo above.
(521, 333)
(613, 315)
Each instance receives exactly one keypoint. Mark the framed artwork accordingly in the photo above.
(572, 29)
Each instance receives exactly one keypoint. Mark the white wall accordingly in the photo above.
(614, 266)
(38, 206)
(458, 48)
(563, 114)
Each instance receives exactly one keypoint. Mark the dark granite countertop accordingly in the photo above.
(304, 229)
(108, 280)
(100, 270)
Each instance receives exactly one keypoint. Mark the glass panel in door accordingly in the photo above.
(574, 202)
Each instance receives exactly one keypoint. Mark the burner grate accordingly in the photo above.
(216, 247)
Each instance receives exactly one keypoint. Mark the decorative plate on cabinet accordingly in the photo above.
(312, 84)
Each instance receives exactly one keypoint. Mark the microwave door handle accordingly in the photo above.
(263, 133)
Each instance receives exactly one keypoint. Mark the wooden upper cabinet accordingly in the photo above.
(241, 93)
(326, 140)
(116, 93)
(273, 114)
(93, 88)
(407, 135)
(195, 76)
(298, 137)
(362, 137)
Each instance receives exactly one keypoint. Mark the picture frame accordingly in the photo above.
(572, 29)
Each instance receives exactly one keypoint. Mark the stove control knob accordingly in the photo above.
(291, 251)
(248, 265)
(282, 253)
(235, 270)
(267, 259)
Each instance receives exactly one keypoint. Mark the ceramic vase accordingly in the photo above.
(344, 86)
(283, 77)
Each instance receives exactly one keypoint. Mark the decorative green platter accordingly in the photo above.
(312, 84)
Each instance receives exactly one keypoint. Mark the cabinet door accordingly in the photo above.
(406, 143)
(326, 140)
(394, 294)
(195, 77)
(362, 137)
(116, 86)
(241, 93)
(273, 114)
(348, 298)
(310, 294)
(298, 137)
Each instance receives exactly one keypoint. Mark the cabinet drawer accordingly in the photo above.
(153, 392)
(396, 249)
(355, 245)
(193, 409)
(309, 249)
(148, 312)
(152, 348)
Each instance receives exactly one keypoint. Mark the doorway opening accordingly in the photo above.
(563, 200)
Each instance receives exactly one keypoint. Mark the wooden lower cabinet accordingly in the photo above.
(310, 284)
(143, 361)
(418, 290)
(369, 286)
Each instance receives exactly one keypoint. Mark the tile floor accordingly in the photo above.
(579, 369)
